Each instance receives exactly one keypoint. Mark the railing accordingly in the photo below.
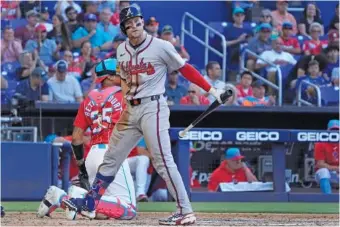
(299, 98)
(205, 41)
(269, 83)
(19, 133)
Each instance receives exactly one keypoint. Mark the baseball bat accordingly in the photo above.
(224, 96)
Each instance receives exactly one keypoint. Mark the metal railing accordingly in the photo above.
(19, 133)
(302, 101)
(205, 42)
(267, 82)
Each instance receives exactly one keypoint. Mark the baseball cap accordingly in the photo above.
(61, 66)
(266, 12)
(238, 10)
(233, 154)
(152, 21)
(119, 37)
(32, 13)
(265, 26)
(258, 84)
(40, 28)
(106, 67)
(90, 17)
(40, 72)
(333, 35)
(167, 29)
(287, 24)
(333, 124)
(44, 9)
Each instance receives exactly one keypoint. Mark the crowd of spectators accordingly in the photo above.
(67, 40)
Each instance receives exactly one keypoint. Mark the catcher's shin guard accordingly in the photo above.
(113, 207)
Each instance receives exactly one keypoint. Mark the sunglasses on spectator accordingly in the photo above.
(318, 31)
(192, 92)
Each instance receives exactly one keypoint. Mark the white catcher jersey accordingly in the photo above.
(145, 68)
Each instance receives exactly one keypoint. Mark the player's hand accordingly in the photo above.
(216, 94)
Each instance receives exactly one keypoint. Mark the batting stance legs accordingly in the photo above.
(150, 119)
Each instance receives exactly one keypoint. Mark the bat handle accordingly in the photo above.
(184, 132)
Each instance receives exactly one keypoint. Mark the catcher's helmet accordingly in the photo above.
(106, 67)
(127, 13)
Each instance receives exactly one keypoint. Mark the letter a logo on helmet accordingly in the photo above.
(128, 13)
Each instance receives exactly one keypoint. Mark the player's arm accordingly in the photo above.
(176, 63)
(250, 176)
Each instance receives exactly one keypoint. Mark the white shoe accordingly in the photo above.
(51, 201)
(179, 219)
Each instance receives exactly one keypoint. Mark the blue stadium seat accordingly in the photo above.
(10, 68)
(302, 39)
(329, 96)
(16, 23)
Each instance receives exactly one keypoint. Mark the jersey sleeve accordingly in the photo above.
(214, 181)
(319, 153)
(171, 58)
(80, 120)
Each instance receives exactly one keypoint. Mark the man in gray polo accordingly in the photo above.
(63, 87)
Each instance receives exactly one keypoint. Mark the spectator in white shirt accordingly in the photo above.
(275, 56)
(213, 70)
(63, 87)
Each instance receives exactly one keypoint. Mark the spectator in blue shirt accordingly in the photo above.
(332, 53)
(91, 33)
(35, 87)
(236, 34)
(47, 49)
(105, 24)
(174, 91)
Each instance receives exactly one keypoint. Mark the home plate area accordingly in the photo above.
(203, 219)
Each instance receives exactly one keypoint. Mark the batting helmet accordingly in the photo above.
(128, 13)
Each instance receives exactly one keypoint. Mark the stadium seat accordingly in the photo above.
(16, 23)
(302, 39)
(329, 96)
(10, 68)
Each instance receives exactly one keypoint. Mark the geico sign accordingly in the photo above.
(203, 135)
(257, 136)
(318, 136)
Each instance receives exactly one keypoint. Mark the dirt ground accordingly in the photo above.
(203, 219)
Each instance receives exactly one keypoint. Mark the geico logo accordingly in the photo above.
(203, 135)
(318, 136)
(257, 136)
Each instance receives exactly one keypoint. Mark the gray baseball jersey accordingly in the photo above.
(145, 68)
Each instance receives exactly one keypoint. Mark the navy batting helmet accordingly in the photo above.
(127, 13)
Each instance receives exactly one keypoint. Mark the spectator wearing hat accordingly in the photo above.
(290, 44)
(275, 56)
(89, 7)
(111, 4)
(281, 15)
(115, 43)
(152, 26)
(60, 33)
(64, 88)
(27, 32)
(173, 90)
(45, 19)
(236, 34)
(61, 6)
(28, 62)
(47, 49)
(74, 68)
(326, 157)
(266, 17)
(259, 44)
(10, 10)
(91, 33)
(71, 22)
(105, 25)
(35, 88)
(258, 98)
(115, 16)
(311, 14)
(194, 97)
(10, 47)
(231, 170)
(244, 88)
(315, 45)
(334, 24)
(168, 35)
(333, 38)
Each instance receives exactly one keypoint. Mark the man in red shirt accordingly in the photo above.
(289, 44)
(244, 89)
(100, 111)
(326, 157)
(194, 97)
(231, 170)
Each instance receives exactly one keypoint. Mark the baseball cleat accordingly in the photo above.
(142, 198)
(73, 207)
(179, 219)
(51, 201)
(2, 212)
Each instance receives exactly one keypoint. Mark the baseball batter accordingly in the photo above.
(144, 63)
(100, 111)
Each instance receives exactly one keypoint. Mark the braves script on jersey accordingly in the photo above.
(145, 68)
(100, 111)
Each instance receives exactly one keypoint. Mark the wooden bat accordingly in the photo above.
(224, 97)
